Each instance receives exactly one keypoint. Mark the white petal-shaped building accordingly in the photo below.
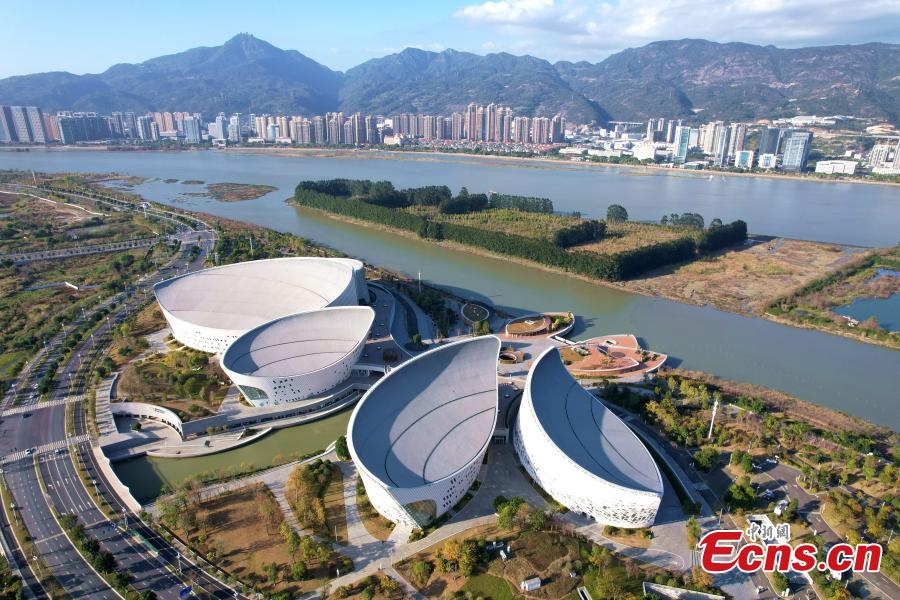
(581, 453)
(298, 356)
(419, 435)
(209, 309)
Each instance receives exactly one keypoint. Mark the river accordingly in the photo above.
(857, 378)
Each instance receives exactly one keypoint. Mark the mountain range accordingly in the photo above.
(679, 78)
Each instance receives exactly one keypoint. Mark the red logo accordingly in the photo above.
(721, 551)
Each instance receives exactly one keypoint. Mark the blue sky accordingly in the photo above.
(88, 36)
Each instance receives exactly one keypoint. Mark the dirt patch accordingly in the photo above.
(231, 527)
(745, 279)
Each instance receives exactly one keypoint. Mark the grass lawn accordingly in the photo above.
(630, 235)
(489, 587)
(9, 359)
(518, 222)
(475, 312)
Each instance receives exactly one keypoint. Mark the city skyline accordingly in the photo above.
(554, 30)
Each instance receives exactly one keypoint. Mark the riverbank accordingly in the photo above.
(745, 279)
(436, 155)
(545, 162)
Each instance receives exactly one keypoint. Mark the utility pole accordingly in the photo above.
(420, 282)
(712, 420)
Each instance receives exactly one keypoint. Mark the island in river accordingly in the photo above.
(719, 265)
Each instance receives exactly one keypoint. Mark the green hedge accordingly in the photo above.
(722, 236)
(611, 267)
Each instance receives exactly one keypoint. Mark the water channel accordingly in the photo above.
(857, 378)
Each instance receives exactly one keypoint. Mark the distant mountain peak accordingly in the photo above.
(670, 78)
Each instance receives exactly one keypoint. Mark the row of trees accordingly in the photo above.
(523, 203)
(585, 231)
(722, 236)
(383, 193)
(612, 267)
(100, 559)
(304, 490)
(688, 219)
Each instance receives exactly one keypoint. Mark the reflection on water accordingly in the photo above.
(885, 310)
(145, 476)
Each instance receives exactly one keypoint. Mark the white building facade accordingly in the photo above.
(582, 454)
(207, 310)
(418, 436)
(299, 356)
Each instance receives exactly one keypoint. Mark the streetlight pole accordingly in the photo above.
(712, 420)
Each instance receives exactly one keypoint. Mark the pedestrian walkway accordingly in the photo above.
(64, 443)
(105, 421)
(39, 405)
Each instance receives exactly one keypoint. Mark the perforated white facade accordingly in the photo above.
(209, 309)
(298, 356)
(419, 435)
(581, 453)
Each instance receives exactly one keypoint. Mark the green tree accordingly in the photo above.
(616, 213)
(340, 448)
(421, 571)
(536, 520)
(693, 531)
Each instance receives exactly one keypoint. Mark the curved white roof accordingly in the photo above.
(429, 418)
(299, 344)
(585, 430)
(243, 295)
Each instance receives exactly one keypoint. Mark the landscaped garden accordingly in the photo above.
(245, 534)
(474, 313)
(186, 381)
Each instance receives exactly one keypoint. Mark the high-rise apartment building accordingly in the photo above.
(83, 127)
(234, 128)
(540, 130)
(24, 124)
(682, 143)
(796, 150)
(457, 127)
(479, 125)
(371, 126)
(471, 126)
(7, 130)
(770, 140)
(736, 141)
(191, 129)
(743, 159)
(721, 144)
(557, 129)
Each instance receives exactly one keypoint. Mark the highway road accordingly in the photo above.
(35, 424)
